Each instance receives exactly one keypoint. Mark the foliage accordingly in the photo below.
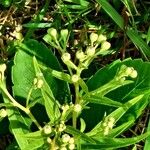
(55, 100)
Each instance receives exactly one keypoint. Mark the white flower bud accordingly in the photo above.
(106, 130)
(80, 55)
(112, 119)
(110, 124)
(93, 37)
(3, 113)
(2, 67)
(62, 127)
(49, 140)
(90, 51)
(77, 108)
(133, 74)
(65, 108)
(65, 138)
(71, 141)
(38, 83)
(71, 146)
(47, 129)
(105, 46)
(75, 78)
(52, 32)
(129, 70)
(101, 38)
(66, 57)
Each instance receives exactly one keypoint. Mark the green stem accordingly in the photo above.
(74, 117)
(26, 110)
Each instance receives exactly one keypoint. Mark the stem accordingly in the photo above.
(74, 117)
(26, 110)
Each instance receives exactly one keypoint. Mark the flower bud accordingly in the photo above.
(71, 141)
(101, 38)
(47, 129)
(105, 46)
(106, 130)
(75, 78)
(18, 28)
(49, 140)
(52, 32)
(38, 83)
(93, 37)
(66, 57)
(133, 74)
(64, 34)
(2, 67)
(129, 70)
(71, 146)
(65, 138)
(80, 55)
(77, 108)
(90, 51)
(3, 113)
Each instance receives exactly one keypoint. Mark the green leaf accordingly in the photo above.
(113, 143)
(51, 105)
(116, 114)
(37, 25)
(23, 81)
(98, 99)
(122, 94)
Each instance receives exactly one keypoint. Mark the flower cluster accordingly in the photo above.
(67, 142)
(108, 125)
(126, 72)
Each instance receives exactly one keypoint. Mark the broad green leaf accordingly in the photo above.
(51, 105)
(34, 145)
(122, 94)
(113, 143)
(98, 99)
(23, 63)
(116, 114)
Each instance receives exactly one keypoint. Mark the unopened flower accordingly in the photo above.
(133, 74)
(90, 51)
(38, 83)
(62, 126)
(52, 32)
(3, 113)
(47, 129)
(106, 130)
(71, 141)
(64, 33)
(65, 107)
(93, 37)
(65, 138)
(129, 70)
(75, 78)
(101, 38)
(105, 45)
(80, 55)
(71, 146)
(2, 69)
(49, 140)
(77, 108)
(66, 57)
